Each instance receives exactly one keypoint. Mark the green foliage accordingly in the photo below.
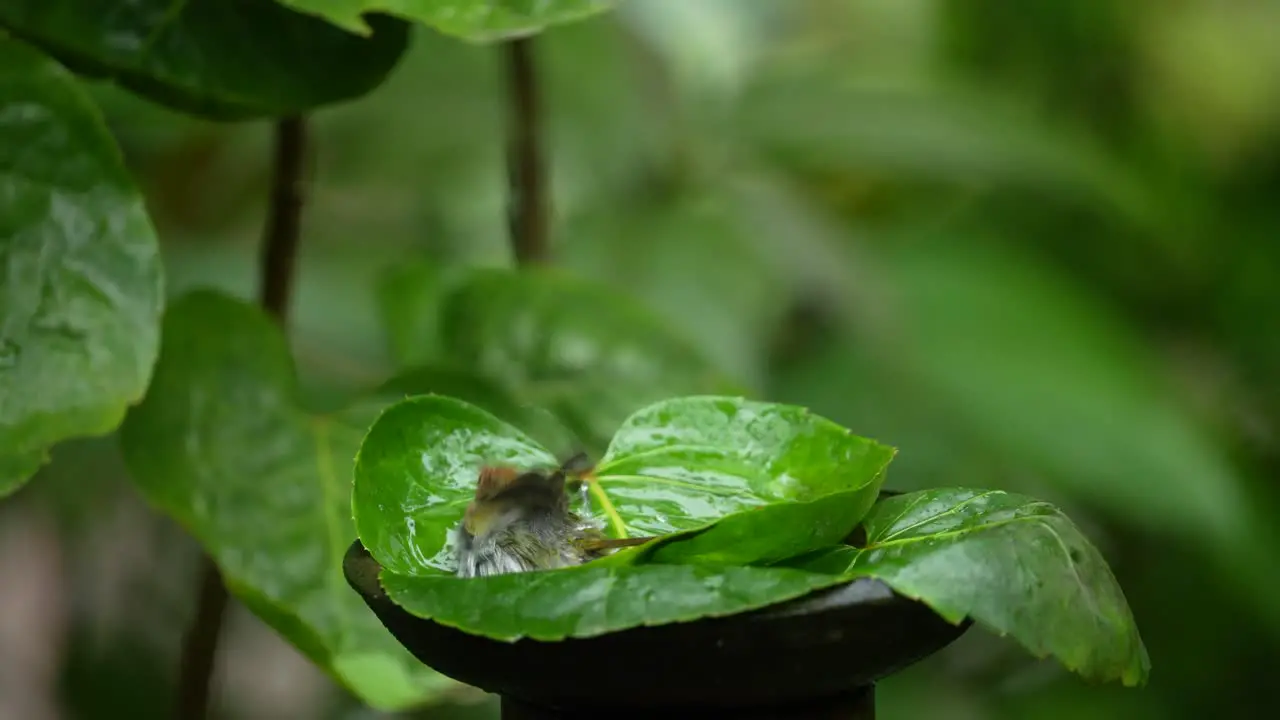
(587, 354)
(1015, 564)
(478, 21)
(820, 234)
(222, 60)
(591, 600)
(221, 445)
(416, 471)
(751, 502)
(687, 253)
(1101, 417)
(780, 480)
(752, 481)
(572, 346)
(675, 466)
(80, 276)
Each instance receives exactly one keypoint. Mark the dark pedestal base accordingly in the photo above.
(859, 704)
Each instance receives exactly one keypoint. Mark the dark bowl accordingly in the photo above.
(826, 644)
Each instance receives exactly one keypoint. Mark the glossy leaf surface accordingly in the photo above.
(588, 354)
(471, 19)
(80, 276)
(774, 480)
(1014, 564)
(751, 481)
(417, 470)
(220, 445)
(592, 600)
(784, 480)
(225, 60)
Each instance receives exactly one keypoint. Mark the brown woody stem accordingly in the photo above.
(528, 212)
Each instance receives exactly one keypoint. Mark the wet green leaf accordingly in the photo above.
(417, 470)
(752, 482)
(588, 354)
(784, 480)
(591, 600)
(220, 444)
(253, 58)
(1014, 564)
(758, 482)
(480, 20)
(80, 275)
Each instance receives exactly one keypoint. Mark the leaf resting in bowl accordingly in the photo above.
(1014, 564)
(727, 482)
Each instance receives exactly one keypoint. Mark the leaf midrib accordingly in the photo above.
(955, 533)
(641, 454)
(657, 480)
(949, 511)
(1039, 519)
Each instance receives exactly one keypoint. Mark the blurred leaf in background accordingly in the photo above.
(491, 20)
(220, 445)
(251, 59)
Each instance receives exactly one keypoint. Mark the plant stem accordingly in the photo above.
(200, 644)
(279, 250)
(527, 213)
(280, 239)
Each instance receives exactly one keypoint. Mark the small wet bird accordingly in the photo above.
(521, 521)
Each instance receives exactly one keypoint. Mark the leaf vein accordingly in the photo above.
(949, 511)
(952, 533)
(709, 489)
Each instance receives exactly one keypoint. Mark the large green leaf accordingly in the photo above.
(1014, 564)
(589, 355)
(252, 58)
(734, 481)
(784, 480)
(758, 481)
(480, 20)
(220, 444)
(80, 277)
(592, 600)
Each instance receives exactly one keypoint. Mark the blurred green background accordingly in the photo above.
(1036, 247)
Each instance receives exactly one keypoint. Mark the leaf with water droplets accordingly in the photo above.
(591, 599)
(1014, 564)
(728, 482)
(80, 277)
(416, 471)
(749, 481)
